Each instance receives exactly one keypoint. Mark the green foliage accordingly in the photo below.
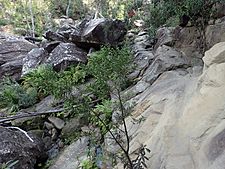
(67, 80)
(9, 165)
(75, 9)
(168, 12)
(14, 97)
(46, 81)
(109, 67)
(88, 164)
(17, 13)
(103, 111)
(42, 79)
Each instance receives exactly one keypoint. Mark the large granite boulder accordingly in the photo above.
(33, 59)
(66, 54)
(12, 51)
(99, 31)
(90, 33)
(15, 145)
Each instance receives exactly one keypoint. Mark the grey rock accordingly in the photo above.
(48, 125)
(66, 54)
(49, 46)
(14, 145)
(71, 157)
(99, 31)
(33, 59)
(12, 51)
(57, 122)
(54, 36)
(165, 36)
(188, 41)
(72, 126)
(166, 58)
(215, 34)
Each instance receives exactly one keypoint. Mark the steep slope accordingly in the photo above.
(184, 113)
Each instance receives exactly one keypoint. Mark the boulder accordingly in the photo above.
(73, 155)
(90, 33)
(99, 31)
(66, 54)
(215, 34)
(12, 51)
(188, 41)
(33, 59)
(165, 36)
(215, 55)
(166, 58)
(57, 122)
(13, 68)
(15, 145)
(54, 36)
(219, 10)
(49, 46)
(72, 126)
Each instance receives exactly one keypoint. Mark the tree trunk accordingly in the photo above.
(32, 18)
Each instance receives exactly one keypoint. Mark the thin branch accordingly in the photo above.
(125, 128)
(30, 114)
(108, 129)
(33, 114)
(22, 132)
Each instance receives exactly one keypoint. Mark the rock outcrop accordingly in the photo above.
(64, 47)
(183, 114)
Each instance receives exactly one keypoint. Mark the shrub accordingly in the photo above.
(199, 12)
(42, 79)
(14, 97)
(46, 81)
(109, 67)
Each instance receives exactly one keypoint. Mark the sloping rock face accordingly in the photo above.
(184, 113)
(73, 155)
(14, 145)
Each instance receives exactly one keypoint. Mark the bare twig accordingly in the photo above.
(22, 132)
(33, 114)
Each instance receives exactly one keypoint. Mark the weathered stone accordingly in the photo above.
(48, 125)
(54, 36)
(13, 68)
(99, 31)
(219, 10)
(66, 54)
(33, 59)
(165, 36)
(188, 41)
(71, 157)
(12, 51)
(215, 34)
(215, 55)
(15, 145)
(180, 118)
(72, 126)
(57, 122)
(166, 58)
(49, 46)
